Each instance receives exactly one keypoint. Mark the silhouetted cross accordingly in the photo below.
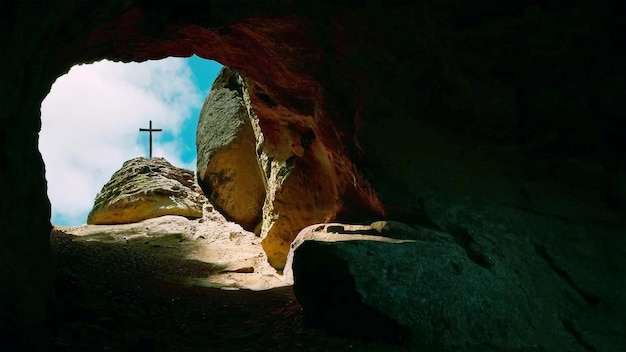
(150, 130)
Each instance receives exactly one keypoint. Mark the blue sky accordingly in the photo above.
(91, 120)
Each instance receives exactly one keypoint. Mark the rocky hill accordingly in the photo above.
(144, 189)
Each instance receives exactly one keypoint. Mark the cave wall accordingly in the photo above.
(518, 104)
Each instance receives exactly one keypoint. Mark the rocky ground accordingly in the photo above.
(123, 296)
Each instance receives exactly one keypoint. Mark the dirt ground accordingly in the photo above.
(116, 297)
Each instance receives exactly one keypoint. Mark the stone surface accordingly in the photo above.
(236, 255)
(310, 176)
(475, 285)
(272, 178)
(516, 105)
(227, 166)
(144, 189)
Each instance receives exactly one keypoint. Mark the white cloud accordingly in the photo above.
(91, 121)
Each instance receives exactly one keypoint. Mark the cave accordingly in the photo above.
(458, 117)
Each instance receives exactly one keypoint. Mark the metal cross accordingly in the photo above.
(150, 130)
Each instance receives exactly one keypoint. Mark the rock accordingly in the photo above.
(263, 176)
(144, 189)
(451, 290)
(309, 180)
(227, 167)
(345, 232)
(233, 257)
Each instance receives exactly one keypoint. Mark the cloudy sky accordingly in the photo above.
(91, 120)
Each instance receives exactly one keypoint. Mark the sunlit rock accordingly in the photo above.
(227, 166)
(144, 189)
(232, 256)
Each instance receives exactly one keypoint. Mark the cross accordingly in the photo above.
(150, 130)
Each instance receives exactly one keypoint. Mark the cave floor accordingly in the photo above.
(114, 297)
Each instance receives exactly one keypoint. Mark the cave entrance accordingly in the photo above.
(90, 122)
(100, 107)
(151, 283)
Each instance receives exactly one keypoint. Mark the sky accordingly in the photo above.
(91, 120)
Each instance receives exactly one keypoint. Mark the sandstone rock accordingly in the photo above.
(458, 290)
(236, 255)
(144, 189)
(254, 170)
(227, 167)
(309, 180)
(301, 191)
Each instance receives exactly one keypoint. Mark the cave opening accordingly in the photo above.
(103, 107)
(155, 282)
(90, 121)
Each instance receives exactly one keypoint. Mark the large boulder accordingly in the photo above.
(269, 177)
(147, 188)
(227, 167)
(462, 288)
